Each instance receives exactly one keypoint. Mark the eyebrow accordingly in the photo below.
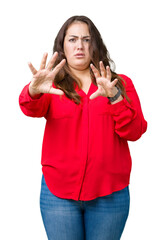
(77, 36)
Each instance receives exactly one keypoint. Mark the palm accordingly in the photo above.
(42, 80)
(106, 88)
(101, 91)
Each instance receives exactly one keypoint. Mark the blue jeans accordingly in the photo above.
(102, 218)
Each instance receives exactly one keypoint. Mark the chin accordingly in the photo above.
(81, 66)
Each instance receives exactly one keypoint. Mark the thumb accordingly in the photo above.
(114, 82)
(56, 91)
(95, 95)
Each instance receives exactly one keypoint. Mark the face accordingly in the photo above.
(76, 46)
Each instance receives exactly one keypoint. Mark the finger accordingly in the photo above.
(52, 61)
(95, 71)
(56, 91)
(95, 94)
(43, 61)
(33, 70)
(114, 82)
(102, 69)
(59, 66)
(109, 74)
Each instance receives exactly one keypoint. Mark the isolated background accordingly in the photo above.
(134, 32)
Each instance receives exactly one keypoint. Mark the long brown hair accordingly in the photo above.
(65, 79)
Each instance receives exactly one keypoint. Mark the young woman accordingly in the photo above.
(91, 112)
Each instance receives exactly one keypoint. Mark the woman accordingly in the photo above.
(91, 112)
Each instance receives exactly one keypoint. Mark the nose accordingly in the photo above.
(80, 44)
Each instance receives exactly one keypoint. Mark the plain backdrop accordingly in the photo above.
(134, 33)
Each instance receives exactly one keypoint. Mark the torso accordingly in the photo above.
(86, 85)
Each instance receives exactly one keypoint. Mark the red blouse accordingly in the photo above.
(85, 153)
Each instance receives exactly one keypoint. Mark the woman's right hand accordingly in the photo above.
(42, 81)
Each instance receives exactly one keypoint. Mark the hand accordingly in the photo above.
(42, 80)
(106, 88)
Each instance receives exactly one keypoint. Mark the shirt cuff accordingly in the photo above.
(119, 107)
(30, 97)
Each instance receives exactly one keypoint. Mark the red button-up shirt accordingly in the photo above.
(85, 153)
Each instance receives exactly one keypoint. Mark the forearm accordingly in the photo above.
(33, 107)
(129, 120)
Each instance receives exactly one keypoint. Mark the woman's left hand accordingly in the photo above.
(106, 88)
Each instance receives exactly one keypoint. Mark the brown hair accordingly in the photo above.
(65, 80)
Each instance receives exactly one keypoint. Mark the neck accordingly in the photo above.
(83, 75)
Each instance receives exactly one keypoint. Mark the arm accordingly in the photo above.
(33, 107)
(128, 117)
(35, 97)
(129, 120)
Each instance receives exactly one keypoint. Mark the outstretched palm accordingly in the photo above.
(106, 88)
(42, 80)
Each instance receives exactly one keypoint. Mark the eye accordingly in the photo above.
(72, 40)
(86, 40)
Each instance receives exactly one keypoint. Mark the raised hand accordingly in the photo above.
(106, 88)
(42, 80)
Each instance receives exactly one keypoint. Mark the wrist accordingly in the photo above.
(116, 96)
(33, 93)
(113, 92)
(120, 98)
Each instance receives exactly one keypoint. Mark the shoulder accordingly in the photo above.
(126, 78)
(128, 83)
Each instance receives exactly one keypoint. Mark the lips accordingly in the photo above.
(79, 55)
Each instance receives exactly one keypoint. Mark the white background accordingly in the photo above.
(134, 32)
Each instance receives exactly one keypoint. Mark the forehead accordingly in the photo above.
(78, 29)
